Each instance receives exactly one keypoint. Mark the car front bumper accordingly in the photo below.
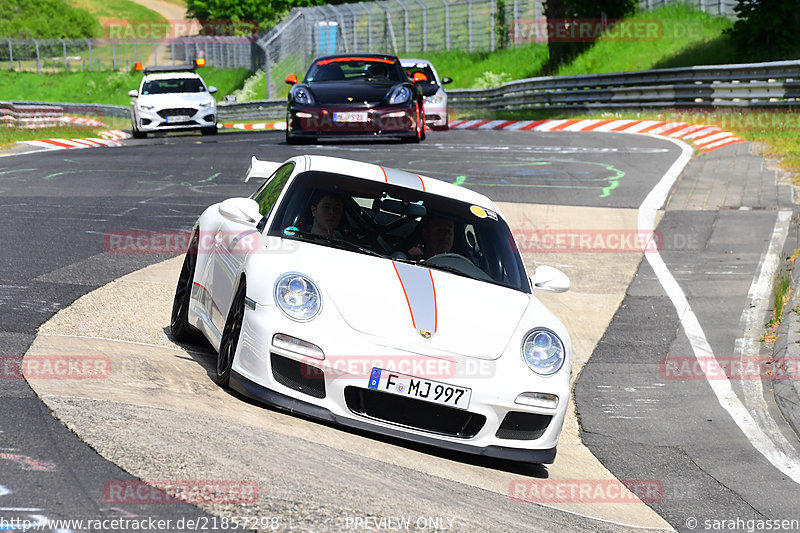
(151, 120)
(322, 121)
(343, 397)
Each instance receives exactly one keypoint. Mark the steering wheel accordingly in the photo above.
(458, 262)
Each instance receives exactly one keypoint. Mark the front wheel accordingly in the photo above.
(208, 131)
(230, 338)
(179, 319)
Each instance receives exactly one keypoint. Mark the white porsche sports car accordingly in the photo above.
(381, 300)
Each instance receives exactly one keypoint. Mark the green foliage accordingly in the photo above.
(100, 87)
(767, 25)
(687, 37)
(595, 9)
(501, 25)
(243, 10)
(490, 79)
(45, 19)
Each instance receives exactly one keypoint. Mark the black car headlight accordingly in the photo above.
(399, 95)
(301, 95)
(543, 351)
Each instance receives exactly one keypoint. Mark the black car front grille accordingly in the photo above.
(177, 111)
(298, 376)
(523, 426)
(413, 413)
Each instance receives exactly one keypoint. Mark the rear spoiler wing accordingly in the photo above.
(261, 170)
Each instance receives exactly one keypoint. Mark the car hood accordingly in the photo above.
(174, 99)
(418, 309)
(349, 92)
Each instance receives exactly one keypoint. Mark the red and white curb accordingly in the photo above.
(706, 138)
(254, 126)
(80, 121)
(108, 138)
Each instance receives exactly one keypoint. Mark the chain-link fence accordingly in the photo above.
(400, 27)
(58, 55)
(712, 7)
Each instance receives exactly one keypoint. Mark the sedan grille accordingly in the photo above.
(177, 111)
(413, 413)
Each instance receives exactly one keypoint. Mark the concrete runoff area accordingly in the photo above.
(158, 415)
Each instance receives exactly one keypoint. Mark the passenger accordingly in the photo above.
(327, 212)
(437, 237)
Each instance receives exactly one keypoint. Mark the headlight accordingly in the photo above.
(543, 351)
(400, 95)
(145, 107)
(297, 296)
(301, 95)
(435, 99)
(208, 103)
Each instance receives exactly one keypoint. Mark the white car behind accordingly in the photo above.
(170, 99)
(436, 111)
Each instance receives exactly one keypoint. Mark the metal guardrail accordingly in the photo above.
(773, 84)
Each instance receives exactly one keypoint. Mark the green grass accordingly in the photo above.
(10, 136)
(686, 37)
(100, 87)
(780, 292)
(467, 69)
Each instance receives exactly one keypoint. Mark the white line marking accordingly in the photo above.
(749, 346)
(694, 331)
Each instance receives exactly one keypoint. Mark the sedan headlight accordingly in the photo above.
(208, 103)
(301, 95)
(543, 351)
(297, 296)
(145, 107)
(399, 95)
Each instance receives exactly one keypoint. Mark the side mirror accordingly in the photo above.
(212, 89)
(446, 80)
(419, 76)
(242, 210)
(291, 79)
(550, 279)
(133, 93)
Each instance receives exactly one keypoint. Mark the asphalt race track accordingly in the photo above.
(58, 206)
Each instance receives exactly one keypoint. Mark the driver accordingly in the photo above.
(437, 237)
(327, 212)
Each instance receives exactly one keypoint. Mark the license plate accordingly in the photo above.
(177, 118)
(352, 116)
(422, 389)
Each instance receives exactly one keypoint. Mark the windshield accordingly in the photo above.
(401, 224)
(376, 69)
(430, 86)
(176, 85)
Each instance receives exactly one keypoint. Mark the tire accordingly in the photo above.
(136, 133)
(179, 319)
(230, 338)
(208, 131)
(424, 133)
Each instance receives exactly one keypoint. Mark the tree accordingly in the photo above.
(564, 14)
(267, 12)
(770, 26)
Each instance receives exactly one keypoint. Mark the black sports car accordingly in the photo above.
(362, 94)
